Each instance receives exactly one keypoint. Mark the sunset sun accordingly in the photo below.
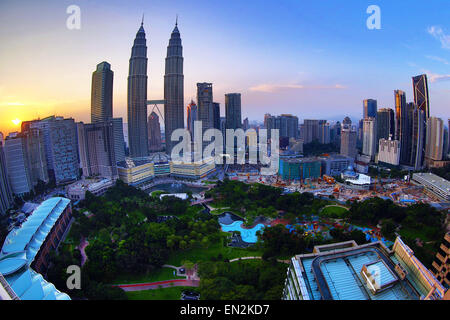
(16, 121)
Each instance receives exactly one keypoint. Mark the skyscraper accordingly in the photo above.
(385, 124)
(137, 96)
(434, 138)
(119, 140)
(406, 133)
(35, 153)
(216, 115)
(6, 196)
(154, 133)
(61, 150)
(102, 93)
(369, 137)
(311, 130)
(192, 116)
(287, 125)
(400, 109)
(421, 99)
(233, 110)
(17, 164)
(418, 138)
(348, 142)
(245, 124)
(324, 132)
(370, 108)
(96, 147)
(205, 105)
(173, 88)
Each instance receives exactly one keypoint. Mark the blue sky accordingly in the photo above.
(314, 59)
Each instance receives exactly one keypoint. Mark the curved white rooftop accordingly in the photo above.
(20, 248)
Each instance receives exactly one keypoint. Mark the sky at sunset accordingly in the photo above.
(314, 59)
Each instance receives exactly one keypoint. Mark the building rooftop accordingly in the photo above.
(437, 181)
(20, 248)
(366, 272)
(89, 184)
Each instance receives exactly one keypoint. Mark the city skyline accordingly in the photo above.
(293, 83)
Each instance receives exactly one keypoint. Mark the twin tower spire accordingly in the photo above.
(137, 92)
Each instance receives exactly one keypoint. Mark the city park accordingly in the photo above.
(133, 244)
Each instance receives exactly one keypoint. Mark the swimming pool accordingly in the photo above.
(247, 235)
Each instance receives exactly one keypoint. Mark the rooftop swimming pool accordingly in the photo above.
(247, 235)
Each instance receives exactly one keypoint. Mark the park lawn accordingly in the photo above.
(172, 293)
(158, 275)
(334, 212)
(193, 210)
(196, 255)
(157, 193)
(412, 233)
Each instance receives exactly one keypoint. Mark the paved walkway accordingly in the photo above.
(83, 244)
(159, 284)
(259, 258)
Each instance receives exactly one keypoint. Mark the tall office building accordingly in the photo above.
(154, 133)
(434, 138)
(6, 196)
(324, 132)
(17, 164)
(406, 133)
(400, 111)
(287, 124)
(119, 139)
(96, 149)
(421, 98)
(216, 115)
(347, 123)
(233, 110)
(348, 142)
(173, 88)
(385, 124)
(370, 108)
(35, 153)
(335, 134)
(102, 93)
(137, 96)
(369, 137)
(418, 137)
(359, 140)
(245, 124)
(192, 116)
(61, 150)
(205, 110)
(445, 146)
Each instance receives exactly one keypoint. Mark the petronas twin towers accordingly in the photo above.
(137, 92)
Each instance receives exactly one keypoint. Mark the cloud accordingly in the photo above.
(440, 35)
(11, 104)
(439, 59)
(434, 77)
(271, 88)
